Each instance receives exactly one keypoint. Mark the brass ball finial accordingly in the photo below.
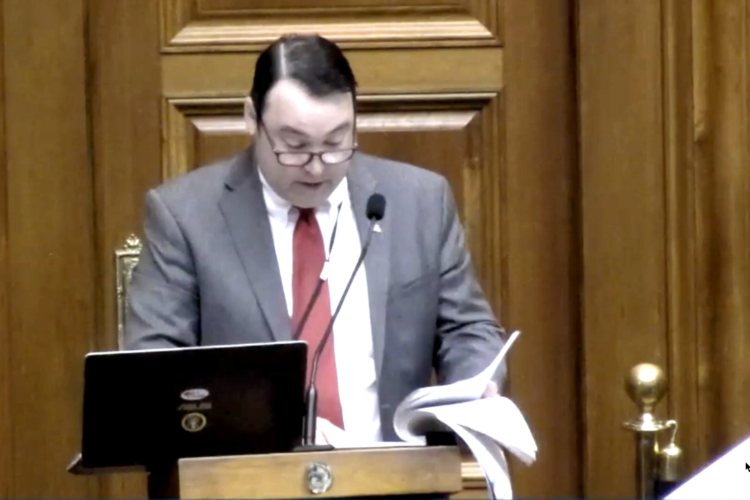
(646, 385)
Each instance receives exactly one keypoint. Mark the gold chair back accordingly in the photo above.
(126, 258)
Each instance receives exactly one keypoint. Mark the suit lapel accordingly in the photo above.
(377, 264)
(245, 212)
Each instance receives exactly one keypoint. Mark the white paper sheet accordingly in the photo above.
(458, 392)
(490, 457)
(486, 425)
(498, 418)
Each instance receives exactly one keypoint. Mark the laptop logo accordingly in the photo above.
(194, 394)
(194, 422)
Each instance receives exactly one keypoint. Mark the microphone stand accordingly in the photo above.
(309, 431)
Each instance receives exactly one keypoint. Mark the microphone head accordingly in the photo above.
(375, 207)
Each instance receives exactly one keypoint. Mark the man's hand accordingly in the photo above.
(491, 390)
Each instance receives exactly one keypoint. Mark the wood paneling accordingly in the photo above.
(51, 241)
(198, 132)
(541, 288)
(680, 205)
(233, 25)
(701, 161)
(665, 101)
(125, 116)
(6, 429)
(623, 223)
(125, 113)
(724, 225)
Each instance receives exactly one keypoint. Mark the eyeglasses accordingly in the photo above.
(302, 158)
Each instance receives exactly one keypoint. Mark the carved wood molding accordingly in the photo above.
(680, 237)
(379, 72)
(187, 26)
(406, 112)
(243, 35)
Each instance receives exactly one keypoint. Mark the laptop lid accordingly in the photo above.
(152, 407)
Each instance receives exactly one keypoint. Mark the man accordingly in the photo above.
(233, 251)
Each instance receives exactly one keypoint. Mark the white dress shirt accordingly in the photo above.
(352, 331)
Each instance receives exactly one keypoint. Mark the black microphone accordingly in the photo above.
(375, 211)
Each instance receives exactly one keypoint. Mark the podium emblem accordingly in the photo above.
(194, 422)
(319, 478)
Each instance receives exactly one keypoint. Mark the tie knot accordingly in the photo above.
(306, 214)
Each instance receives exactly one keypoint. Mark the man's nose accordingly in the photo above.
(315, 167)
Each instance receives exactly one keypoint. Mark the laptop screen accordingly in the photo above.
(152, 407)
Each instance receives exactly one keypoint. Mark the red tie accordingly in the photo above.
(308, 258)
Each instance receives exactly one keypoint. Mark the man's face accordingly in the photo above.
(295, 123)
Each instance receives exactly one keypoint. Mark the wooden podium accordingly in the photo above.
(403, 472)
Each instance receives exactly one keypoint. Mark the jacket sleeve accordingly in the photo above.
(163, 308)
(468, 335)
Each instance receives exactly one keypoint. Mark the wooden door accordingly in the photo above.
(169, 81)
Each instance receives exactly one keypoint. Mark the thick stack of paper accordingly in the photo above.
(486, 425)
(728, 478)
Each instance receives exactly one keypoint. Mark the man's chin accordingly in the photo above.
(311, 195)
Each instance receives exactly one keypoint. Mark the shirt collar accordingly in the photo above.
(280, 209)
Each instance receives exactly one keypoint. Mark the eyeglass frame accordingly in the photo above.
(311, 154)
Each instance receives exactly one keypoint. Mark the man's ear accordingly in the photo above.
(251, 117)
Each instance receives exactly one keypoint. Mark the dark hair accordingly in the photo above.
(315, 62)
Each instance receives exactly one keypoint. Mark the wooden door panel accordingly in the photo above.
(241, 24)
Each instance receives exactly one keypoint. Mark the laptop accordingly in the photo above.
(148, 408)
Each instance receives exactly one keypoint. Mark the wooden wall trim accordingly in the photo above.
(228, 75)
(6, 429)
(701, 47)
(355, 33)
(681, 245)
(191, 27)
(541, 247)
(623, 223)
(724, 227)
(125, 104)
(51, 241)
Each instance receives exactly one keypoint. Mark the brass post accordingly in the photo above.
(646, 386)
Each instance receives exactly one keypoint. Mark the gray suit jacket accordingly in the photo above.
(208, 274)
